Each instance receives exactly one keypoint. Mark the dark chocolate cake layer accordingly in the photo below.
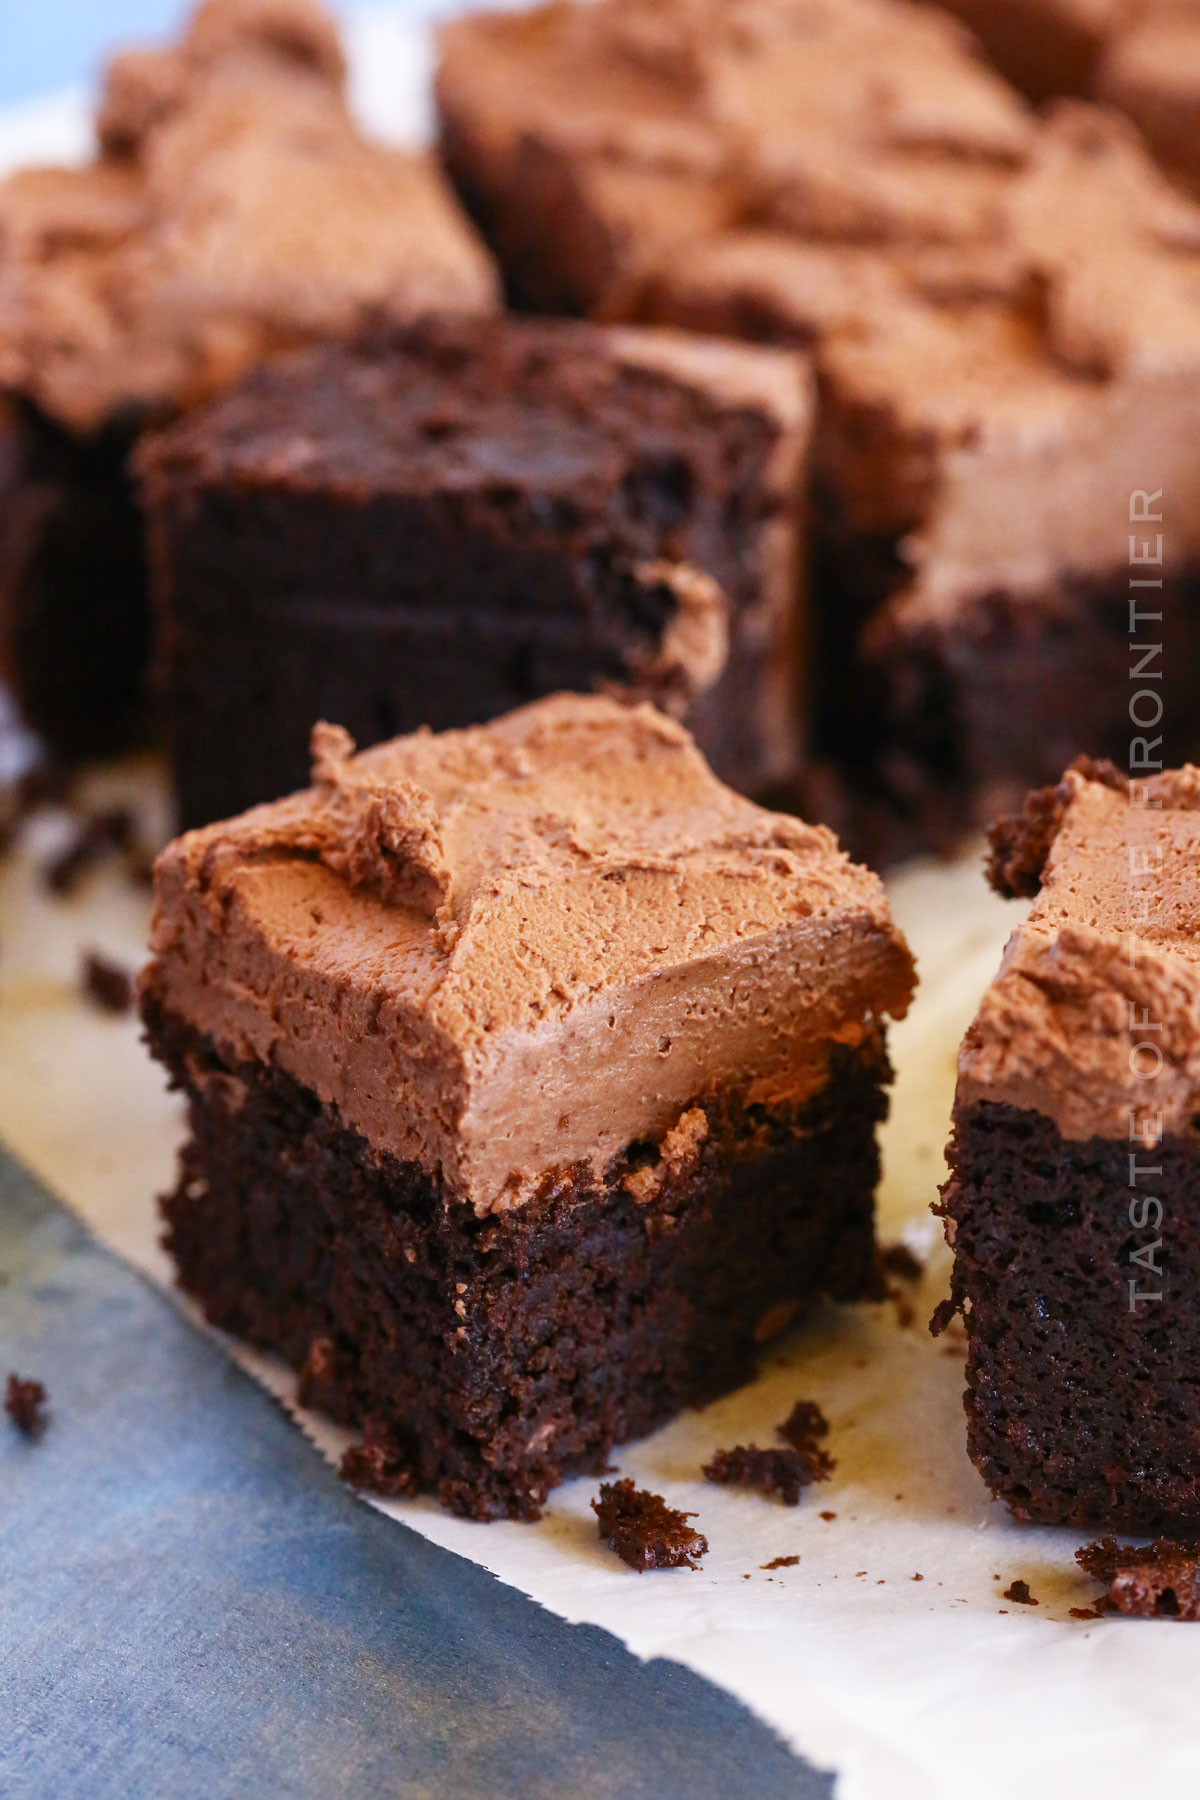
(1082, 1408)
(450, 521)
(490, 1358)
(958, 718)
(74, 626)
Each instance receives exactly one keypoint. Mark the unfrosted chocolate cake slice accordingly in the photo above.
(533, 1080)
(443, 523)
(1072, 1203)
(233, 208)
(1004, 313)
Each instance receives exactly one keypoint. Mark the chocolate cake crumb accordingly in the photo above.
(805, 1422)
(918, 1578)
(377, 1468)
(44, 783)
(317, 1385)
(905, 1311)
(900, 1261)
(23, 1402)
(1160, 1580)
(1019, 843)
(644, 1531)
(139, 866)
(783, 1473)
(97, 836)
(827, 1515)
(780, 1562)
(1102, 1609)
(1018, 1592)
(106, 984)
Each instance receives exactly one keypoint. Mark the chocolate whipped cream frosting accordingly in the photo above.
(503, 951)
(858, 120)
(233, 208)
(865, 125)
(1102, 980)
(1004, 308)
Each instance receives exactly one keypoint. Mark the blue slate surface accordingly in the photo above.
(192, 1605)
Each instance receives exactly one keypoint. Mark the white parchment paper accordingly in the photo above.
(934, 1688)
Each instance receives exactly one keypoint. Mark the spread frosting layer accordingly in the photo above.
(1004, 308)
(1094, 1017)
(506, 950)
(233, 208)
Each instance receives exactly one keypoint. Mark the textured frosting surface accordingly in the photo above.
(775, 105)
(1104, 975)
(233, 208)
(1005, 309)
(511, 949)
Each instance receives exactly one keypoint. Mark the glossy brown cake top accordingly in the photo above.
(461, 404)
(505, 951)
(1094, 1017)
(233, 207)
(666, 466)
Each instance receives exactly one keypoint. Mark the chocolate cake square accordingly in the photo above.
(596, 142)
(233, 207)
(1004, 316)
(533, 1078)
(1072, 1203)
(441, 523)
